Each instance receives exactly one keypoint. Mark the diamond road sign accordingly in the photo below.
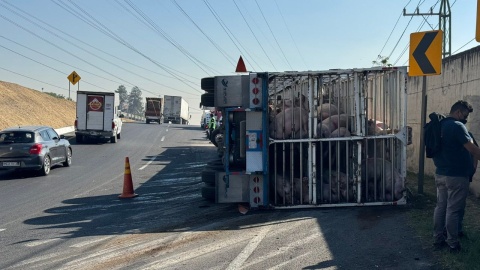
(74, 78)
(425, 53)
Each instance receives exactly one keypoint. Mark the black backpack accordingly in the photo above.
(433, 134)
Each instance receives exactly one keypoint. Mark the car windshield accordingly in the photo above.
(17, 137)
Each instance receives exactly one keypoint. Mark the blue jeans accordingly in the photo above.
(452, 194)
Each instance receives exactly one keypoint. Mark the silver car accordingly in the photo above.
(33, 148)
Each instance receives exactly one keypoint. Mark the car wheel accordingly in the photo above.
(113, 139)
(46, 166)
(68, 160)
(208, 193)
(148, 121)
(118, 136)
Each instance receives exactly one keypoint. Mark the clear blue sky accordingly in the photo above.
(166, 47)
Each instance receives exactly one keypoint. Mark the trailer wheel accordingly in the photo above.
(79, 138)
(208, 100)
(208, 177)
(208, 84)
(208, 193)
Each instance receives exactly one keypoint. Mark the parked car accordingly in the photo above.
(33, 148)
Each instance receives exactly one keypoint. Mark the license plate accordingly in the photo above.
(11, 164)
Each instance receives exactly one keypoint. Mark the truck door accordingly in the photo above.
(95, 112)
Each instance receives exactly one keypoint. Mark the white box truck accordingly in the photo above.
(97, 116)
(176, 110)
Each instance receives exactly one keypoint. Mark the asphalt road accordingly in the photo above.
(73, 218)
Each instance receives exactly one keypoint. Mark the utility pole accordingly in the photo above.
(445, 25)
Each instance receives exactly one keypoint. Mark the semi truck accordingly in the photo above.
(154, 110)
(97, 116)
(176, 110)
(333, 138)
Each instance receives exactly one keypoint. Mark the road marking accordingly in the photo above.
(148, 163)
(249, 249)
(163, 138)
(41, 242)
(1, 230)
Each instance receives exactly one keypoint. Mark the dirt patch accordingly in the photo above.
(20, 106)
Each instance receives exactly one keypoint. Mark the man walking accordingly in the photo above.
(454, 167)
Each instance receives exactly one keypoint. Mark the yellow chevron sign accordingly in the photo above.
(425, 53)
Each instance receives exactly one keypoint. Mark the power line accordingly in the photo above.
(34, 79)
(253, 33)
(288, 30)
(200, 29)
(275, 38)
(163, 34)
(115, 37)
(232, 36)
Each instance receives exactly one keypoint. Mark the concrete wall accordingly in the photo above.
(460, 79)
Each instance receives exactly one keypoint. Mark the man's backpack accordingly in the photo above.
(433, 134)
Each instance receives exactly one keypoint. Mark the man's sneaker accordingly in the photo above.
(456, 249)
(439, 245)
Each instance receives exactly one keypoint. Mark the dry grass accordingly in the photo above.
(23, 106)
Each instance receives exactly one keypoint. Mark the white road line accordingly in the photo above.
(249, 249)
(1, 230)
(148, 163)
(163, 138)
(41, 242)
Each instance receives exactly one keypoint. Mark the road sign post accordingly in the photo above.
(425, 59)
(73, 78)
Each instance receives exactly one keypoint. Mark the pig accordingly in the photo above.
(340, 184)
(340, 132)
(284, 190)
(335, 121)
(374, 167)
(325, 110)
(323, 131)
(283, 128)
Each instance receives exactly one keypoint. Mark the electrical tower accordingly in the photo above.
(444, 24)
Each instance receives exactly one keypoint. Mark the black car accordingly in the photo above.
(33, 148)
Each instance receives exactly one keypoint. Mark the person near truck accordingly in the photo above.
(212, 125)
(454, 167)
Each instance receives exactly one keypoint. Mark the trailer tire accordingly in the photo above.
(208, 177)
(208, 100)
(208, 84)
(113, 139)
(79, 138)
(208, 193)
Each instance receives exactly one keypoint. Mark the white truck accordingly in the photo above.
(175, 110)
(97, 116)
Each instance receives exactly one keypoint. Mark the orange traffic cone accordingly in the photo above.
(127, 182)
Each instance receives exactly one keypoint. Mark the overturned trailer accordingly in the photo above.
(310, 139)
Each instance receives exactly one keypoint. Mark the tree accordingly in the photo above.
(135, 105)
(382, 61)
(122, 92)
